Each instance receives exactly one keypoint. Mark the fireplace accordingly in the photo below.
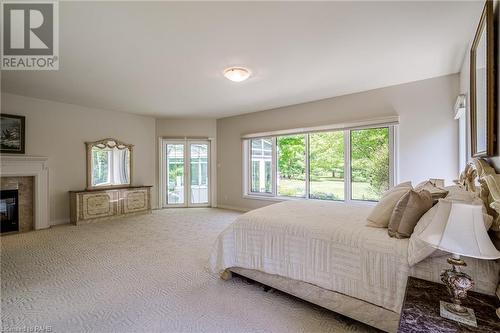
(9, 211)
(35, 168)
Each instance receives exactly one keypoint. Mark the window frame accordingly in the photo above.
(247, 167)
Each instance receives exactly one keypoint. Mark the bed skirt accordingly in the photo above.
(354, 308)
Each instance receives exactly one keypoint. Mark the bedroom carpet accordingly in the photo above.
(142, 274)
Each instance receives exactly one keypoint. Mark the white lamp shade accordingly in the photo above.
(459, 228)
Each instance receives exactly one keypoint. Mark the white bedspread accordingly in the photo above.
(328, 244)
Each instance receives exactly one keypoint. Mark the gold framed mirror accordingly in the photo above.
(109, 164)
(482, 86)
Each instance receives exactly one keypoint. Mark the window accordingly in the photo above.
(291, 165)
(344, 165)
(369, 163)
(326, 165)
(261, 161)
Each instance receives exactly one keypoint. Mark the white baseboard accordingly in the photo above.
(239, 209)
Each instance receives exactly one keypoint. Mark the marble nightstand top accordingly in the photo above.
(420, 312)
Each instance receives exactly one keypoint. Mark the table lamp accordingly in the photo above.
(459, 228)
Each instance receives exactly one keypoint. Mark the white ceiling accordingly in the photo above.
(166, 59)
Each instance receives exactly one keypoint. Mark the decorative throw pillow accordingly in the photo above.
(418, 250)
(433, 186)
(408, 211)
(381, 213)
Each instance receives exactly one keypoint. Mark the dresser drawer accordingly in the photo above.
(134, 200)
(97, 205)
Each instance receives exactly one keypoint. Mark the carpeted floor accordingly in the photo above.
(142, 274)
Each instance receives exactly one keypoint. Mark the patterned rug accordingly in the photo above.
(142, 274)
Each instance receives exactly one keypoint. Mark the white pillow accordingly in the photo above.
(418, 250)
(381, 213)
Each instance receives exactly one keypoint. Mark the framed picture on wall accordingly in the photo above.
(482, 90)
(12, 134)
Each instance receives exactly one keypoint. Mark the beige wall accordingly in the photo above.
(186, 127)
(190, 128)
(465, 83)
(428, 134)
(59, 130)
(427, 140)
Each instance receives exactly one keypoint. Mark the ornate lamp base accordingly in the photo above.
(446, 310)
(457, 283)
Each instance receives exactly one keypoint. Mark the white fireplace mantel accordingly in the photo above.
(37, 167)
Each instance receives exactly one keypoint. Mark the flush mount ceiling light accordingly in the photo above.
(236, 74)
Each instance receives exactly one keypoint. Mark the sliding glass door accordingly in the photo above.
(186, 173)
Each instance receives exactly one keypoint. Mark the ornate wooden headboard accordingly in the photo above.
(478, 170)
(489, 191)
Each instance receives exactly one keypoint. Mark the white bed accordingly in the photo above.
(327, 244)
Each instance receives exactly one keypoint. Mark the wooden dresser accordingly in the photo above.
(93, 205)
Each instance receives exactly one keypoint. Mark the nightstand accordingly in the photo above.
(420, 312)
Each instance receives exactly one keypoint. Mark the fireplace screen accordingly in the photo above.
(9, 212)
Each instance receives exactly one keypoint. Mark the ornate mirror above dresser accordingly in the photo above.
(109, 164)
(109, 192)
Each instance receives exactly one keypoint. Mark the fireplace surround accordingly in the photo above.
(36, 167)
